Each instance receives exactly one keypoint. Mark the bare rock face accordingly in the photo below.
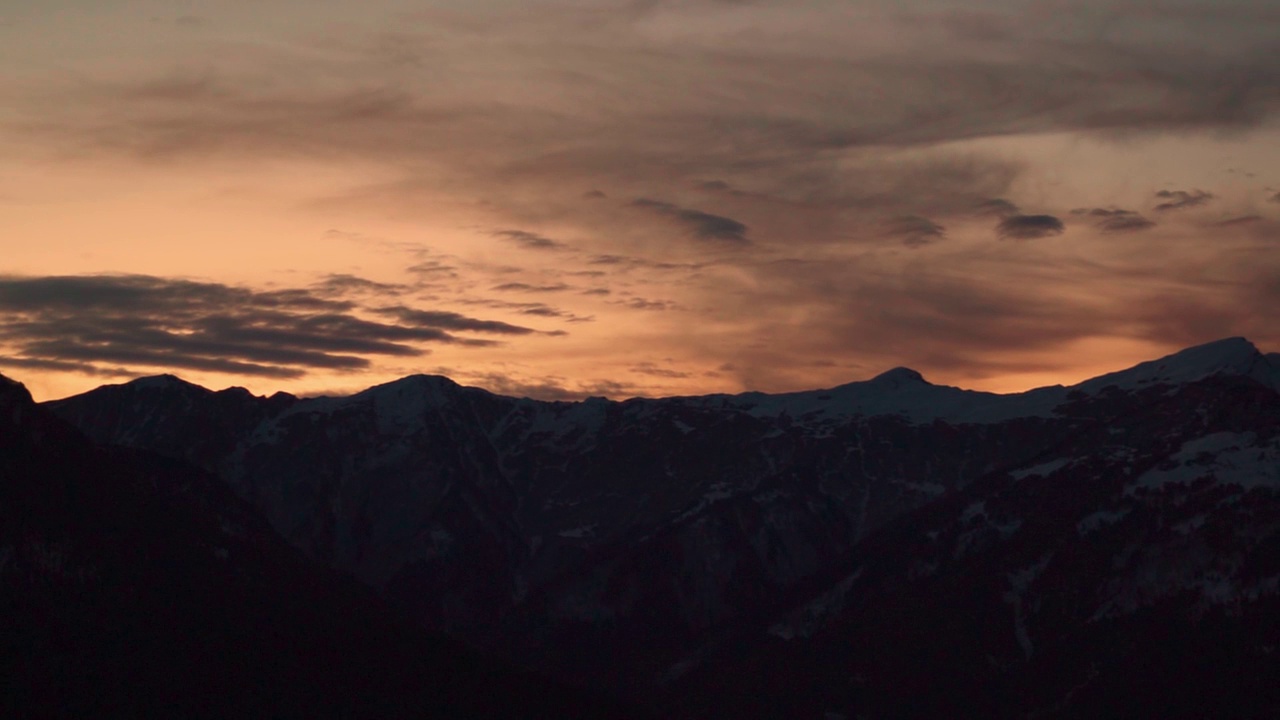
(686, 543)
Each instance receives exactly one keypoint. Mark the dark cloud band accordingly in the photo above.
(1029, 227)
(78, 323)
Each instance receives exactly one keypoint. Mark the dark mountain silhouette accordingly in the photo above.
(138, 586)
(889, 548)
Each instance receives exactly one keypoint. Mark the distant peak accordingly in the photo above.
(421, 380)
(412, 385)
(161, 382)
(12, 390)
(1224, 346)
(899, 377)
(1229, 356)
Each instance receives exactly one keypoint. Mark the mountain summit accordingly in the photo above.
(1232, 357)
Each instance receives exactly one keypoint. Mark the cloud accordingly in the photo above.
(607, 260)
(527, 287)
(343, 284)
(63, 366)
(1115, 220)
(703, 225)
(1029, 227)
(655, 370)
(807, 107)
(451, 321)
(646, 304)
(1126, 223)
(915, 231)
(79, 323)
(1179, 199)
(626, 262)
(935, 319)
(996, 207)
(434, 269)
(529, 240)
(594, 195)
(535, 309)
(1238, 221)
(551, 388)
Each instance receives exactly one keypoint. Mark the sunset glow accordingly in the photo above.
(632, 197)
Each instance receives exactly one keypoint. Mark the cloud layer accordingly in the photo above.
(710, 195)
(97, 324)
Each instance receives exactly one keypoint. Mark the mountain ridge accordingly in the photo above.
(139, 586)
(1222, 354)
(634, 544)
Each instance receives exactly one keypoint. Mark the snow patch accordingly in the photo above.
(719, 491)
(1098, 520)
(578, 533)
(1230, 458)
(973, 511)
(1043, 469)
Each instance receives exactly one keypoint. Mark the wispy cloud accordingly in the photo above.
(81, 322)
(530, 240)
(703, 225)
(344, 284)
(915, 231)
(1179, 199)
(996, 207)
(1116, 220)
(529, 288)
(1238, 221)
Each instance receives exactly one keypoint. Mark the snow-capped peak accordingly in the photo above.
(402, 403)
(1231, 356)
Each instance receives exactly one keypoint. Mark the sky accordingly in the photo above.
(632, 197)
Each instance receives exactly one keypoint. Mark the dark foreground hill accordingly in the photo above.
(137, 586)
(889, 548)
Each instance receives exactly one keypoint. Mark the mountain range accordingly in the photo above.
(887, 548)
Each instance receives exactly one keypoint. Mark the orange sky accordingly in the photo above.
(625, 198)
